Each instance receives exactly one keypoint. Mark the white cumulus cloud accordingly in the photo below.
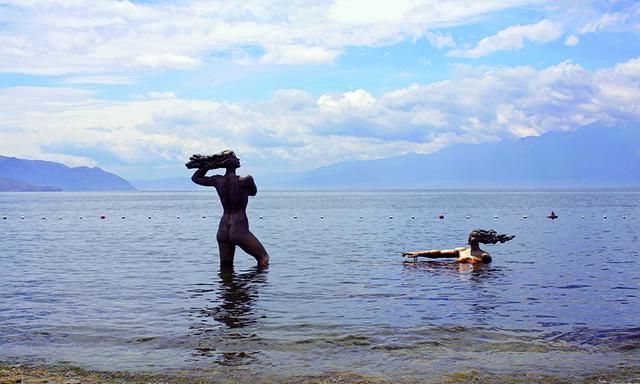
(294, 130)
(512, 38)
(83, 37)
(572, 41)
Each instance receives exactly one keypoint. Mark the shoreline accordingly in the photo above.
(31, 373)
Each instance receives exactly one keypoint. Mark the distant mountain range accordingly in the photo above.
(10, 185)
(590, 157)
(37, 175)
(593, 156)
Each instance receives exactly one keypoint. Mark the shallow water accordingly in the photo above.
(145, 293)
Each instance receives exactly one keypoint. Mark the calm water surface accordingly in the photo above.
(144, 292)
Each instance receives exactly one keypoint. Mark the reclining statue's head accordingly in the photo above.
(487, 237)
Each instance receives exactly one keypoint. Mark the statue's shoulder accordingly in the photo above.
(247, 181)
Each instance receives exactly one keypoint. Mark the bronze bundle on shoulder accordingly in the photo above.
(219, 160)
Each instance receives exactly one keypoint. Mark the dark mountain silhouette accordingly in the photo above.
(40, 173)
(10, 185)
(592, 156)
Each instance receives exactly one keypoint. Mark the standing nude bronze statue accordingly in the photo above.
(234, 192)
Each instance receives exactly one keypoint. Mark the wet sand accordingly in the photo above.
(63, 374)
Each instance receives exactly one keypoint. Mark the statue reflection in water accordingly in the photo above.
(219, 327)
(234, 305)
(239, 292)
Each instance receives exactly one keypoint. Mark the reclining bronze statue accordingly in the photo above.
(471, 254)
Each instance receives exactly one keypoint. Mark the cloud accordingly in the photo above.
(100, 79)
(368, 11)
(613, 21)
(512, 38)
(82, 37)
(161, 95)
(298, 54)
(358, 100)
(596, 17)
(295, 130)
(440, 40)
(572, 41)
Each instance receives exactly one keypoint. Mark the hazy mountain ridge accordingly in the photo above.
(39, 173)
(581, 158)
(11, 185)
(577, 159)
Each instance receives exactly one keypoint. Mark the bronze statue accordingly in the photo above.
(472, 254)
(234, 192)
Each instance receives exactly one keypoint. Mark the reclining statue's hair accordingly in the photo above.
(490, 236)
(219, 160)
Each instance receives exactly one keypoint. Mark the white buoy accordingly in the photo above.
(583, 216)
(44, 218)
(261, 217)
(178, 217)
(80, 217)
(604, 217)
(468, 217)
(204, 217)
(59, 217)
(361, 217)
(391, 217)
(624, 217)
(524, 216)
(149, 217)
(21, 217)
(321, 217)
(413, 217)
(295, 217)
(4, 217)
(495, 216)
(123, 217)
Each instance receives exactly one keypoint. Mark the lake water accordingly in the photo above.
(144, 293)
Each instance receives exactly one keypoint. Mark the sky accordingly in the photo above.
(136, 87)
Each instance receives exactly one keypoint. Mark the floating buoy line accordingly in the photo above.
(440, 216)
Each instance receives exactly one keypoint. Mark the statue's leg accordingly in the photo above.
(227, 252)
(251, 245)
(226, 247)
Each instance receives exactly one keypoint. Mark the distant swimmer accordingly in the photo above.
(471, 254)
(234, 192)
(552, 215)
